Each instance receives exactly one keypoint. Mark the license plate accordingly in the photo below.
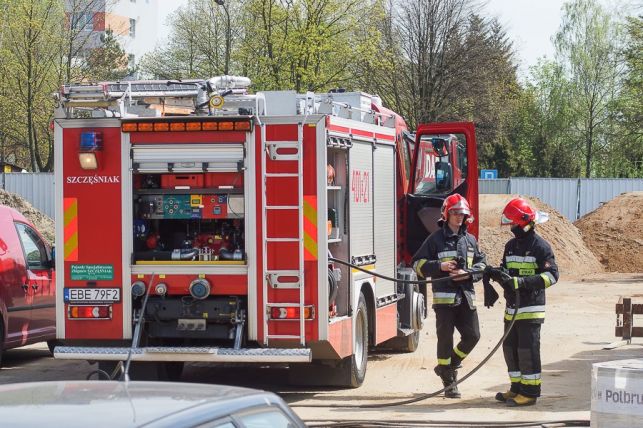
(86, 295)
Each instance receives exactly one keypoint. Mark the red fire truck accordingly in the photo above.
(201, 223)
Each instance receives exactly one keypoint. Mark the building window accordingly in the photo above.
(131, 61)
(132, 27)
(83, 21)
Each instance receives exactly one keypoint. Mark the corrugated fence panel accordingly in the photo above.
(494, 187)
(597, 191)
(564, 193)
(560, 193)
(38, 189)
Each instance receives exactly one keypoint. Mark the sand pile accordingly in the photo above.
(572, 255)
(43, 223)
(614, 232)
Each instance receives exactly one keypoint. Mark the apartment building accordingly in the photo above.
(133, 22)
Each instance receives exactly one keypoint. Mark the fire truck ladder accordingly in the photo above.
(271, 277)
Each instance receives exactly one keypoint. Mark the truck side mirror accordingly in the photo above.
(443, 176)
(440, 146)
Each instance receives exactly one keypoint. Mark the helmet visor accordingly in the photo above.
(505, 221)
(460, 210)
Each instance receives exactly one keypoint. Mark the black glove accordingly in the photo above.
(490, 294)
(514, 282)
(476, 275)
(499, 275)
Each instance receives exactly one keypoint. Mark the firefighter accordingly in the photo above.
(451, 251)
(529, 261)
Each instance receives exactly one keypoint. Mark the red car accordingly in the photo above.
(27, 283)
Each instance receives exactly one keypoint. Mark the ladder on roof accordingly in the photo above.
(270, 277)
(133, 89)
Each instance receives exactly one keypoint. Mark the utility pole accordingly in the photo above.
(228, 37)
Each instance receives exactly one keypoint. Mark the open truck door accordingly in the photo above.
(444, 162)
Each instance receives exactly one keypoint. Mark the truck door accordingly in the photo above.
(15, 294)
(39, 282)
(444, 162)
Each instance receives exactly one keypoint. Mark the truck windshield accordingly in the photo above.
(441, 164)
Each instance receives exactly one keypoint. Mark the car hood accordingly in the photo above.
(106, 403)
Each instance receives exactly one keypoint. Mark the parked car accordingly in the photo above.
(27, 284)
(115, 404)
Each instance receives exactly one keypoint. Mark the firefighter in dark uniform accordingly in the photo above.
(451, 251)
(530, 263)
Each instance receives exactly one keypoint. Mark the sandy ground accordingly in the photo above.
(580, 321)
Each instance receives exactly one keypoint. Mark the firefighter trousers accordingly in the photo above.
(465, 320)
(522, 355)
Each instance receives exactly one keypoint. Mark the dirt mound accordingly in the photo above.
(43, 223)
(614, 232)
(572, 255)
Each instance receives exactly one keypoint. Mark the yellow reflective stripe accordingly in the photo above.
(310, 228)
(459, 353)
(469, 262)
(444, 361)
(522, 265)
(418, 267)
(530, 381)
(546, 279)
(446, 259)
(443, 300)
(515, 379)
(515, 283)
(526, 316)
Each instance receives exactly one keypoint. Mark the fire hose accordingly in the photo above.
(432, 394)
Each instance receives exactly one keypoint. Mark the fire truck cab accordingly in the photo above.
(200, 223)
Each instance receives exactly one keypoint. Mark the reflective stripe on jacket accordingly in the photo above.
(531, 258)
(442, 246)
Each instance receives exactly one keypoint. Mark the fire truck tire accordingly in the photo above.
(408, 343)
(355, 365)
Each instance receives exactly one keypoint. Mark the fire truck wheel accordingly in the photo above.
(355, 365)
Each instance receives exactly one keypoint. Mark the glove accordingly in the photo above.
(499, 275)
(490, 294)
(476, 275)
(513, 283)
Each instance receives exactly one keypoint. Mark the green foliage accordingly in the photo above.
(30, 44)
(588, 44)
(108, 62)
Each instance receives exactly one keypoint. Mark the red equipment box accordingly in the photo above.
(192, 181)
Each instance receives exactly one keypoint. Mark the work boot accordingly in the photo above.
(521, 400)
(449, 377)
(504, 396)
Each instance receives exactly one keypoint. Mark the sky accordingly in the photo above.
(529, 23)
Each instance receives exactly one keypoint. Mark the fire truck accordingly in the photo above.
(202, 223)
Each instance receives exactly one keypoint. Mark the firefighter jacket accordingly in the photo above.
(531, 258)
(441, 246)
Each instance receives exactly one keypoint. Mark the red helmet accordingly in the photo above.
(457, 204)
(518, 212)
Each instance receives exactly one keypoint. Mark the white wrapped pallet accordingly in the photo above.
(617, 394)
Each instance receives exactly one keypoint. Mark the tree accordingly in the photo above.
(78, 31)
(627, 147)
(203, 39)
(587, 47)
(30, 53)
(108, 62)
